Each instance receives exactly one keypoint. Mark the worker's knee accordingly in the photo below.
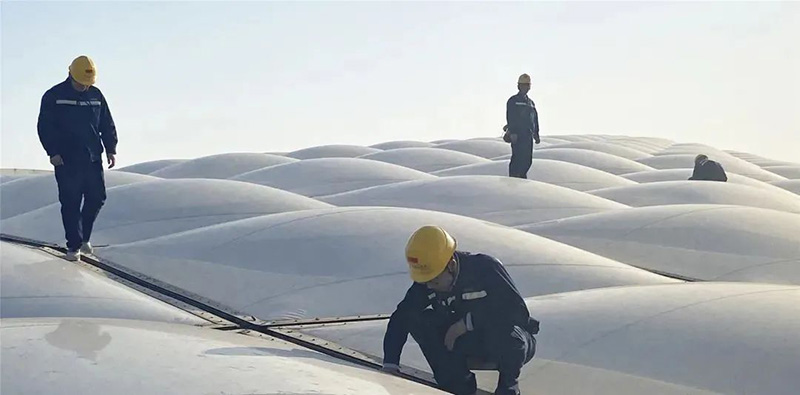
(515, 348)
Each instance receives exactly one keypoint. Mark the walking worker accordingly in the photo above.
(75, 127)
(522, 128)
(462, 307)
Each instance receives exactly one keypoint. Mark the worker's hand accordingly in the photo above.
(390, 368)
(455, 331)
(536, 138)
(112, 160)
(56, 160)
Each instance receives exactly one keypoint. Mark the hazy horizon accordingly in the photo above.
(190, 79)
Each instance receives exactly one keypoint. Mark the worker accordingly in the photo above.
(75, 127)
(707, 170)
(462, 307)
(522, 128)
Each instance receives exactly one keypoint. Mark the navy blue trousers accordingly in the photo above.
(81, 183)
(510, 350)
(521, 156)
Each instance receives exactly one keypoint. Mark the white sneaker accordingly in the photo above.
(86, 248)
(73, 256)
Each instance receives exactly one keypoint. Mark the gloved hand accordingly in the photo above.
(455, 331)
(56, 160)
(536, 138)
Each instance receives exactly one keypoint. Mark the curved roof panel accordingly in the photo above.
(135, 357)
(288, 265)
(151, 166)
(221, 166)
(699, 192)
(556, 172)
(156, 208)
(791, 172)
(613, 149)
(598, 160)
(332, 151)
(707, 242)
(31, 193)
(483, 148)
(319, 177)
(733, 165)
(503, 200)
(789, 185)
(425, 159)
(38, 284)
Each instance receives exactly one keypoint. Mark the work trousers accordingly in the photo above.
(80, 183)
(521, 156)
(509, 349)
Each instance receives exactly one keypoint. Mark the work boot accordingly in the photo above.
(86, 248)
(73, 256)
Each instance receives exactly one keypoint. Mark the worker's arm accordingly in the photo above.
(535, 121)
(398, 328)
(108, 130)
(721, 176)
(504, 306)
(695, 172)
(46, 125)
(512, 116)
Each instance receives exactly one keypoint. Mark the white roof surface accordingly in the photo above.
(426, 159)
(503, 200)
(707, 242)
(665, 339)
(331, 151)
(81, 356)
(30, 193)
(729, 163)
(288, 265)
(564, 174)
(594, 240)
(221, 166)
(155, 208)
(699, 192)
(326, 176)
(789, 185)
(595, 159)
(38, 284)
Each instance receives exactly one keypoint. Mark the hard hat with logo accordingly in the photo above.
(428, 252)
(524, 79)
(83, 70)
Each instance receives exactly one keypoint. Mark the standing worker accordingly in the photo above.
(522, 129)
(462, 307)
(74, 126)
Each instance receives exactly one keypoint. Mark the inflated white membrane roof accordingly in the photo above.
(645, 282)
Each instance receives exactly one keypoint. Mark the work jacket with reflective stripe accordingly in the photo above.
(521, 116)
(483, 295)
(76, 125)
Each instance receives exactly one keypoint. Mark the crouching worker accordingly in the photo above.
(463, 307)
(708, 170)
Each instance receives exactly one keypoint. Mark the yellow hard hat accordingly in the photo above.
(524, 79)
(83, 70)
(428, 252)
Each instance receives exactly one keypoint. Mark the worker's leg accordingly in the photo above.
(513, 350)
(69, 195)
(95, 192)
(449, 369)
(521, 157)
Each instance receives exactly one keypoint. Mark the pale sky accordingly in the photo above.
(189, 79)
